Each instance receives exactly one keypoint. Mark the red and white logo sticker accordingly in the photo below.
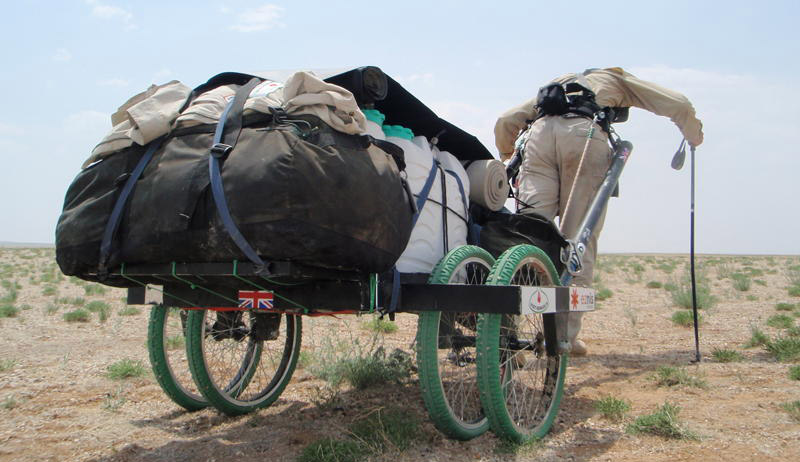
(539, 301)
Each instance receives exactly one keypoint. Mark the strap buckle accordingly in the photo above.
(220, 150)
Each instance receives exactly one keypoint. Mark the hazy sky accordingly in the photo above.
(67, 65)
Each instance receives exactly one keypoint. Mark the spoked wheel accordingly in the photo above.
(240, 360)
(166, 343)
(520, 384)
(446, 351)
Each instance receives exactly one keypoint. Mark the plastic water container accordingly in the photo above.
(457, 198)
(375, 120)
(426, 245)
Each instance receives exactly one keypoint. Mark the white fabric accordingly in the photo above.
(488, 183)
(142, 118)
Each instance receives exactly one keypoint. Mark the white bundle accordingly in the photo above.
(488, 183)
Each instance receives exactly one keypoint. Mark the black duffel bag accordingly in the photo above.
(295, 188)
(501, 230)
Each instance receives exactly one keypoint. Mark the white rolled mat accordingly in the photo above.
(488, 184)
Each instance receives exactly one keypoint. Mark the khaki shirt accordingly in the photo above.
(616, 88)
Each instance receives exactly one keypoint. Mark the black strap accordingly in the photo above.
(392, 149)
(225, 137)
(116, 213)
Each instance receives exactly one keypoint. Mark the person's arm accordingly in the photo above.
(664, 102)
(509, 124)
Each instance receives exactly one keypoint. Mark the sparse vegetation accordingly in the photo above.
(669, 376)
(603, 293)
(101, 308)
(94, 289)
(125, 368)
(654, 285)
(685, 318)
(726, 356)
(8, 310)
(784, 306)
(7, 364)
(383, 326)
(681, 292)
(79, 315)
(175, 342)
(757, 338)
(741, 282)
(382, 430)
(793, 409)
(785, 348)
(611, 408)
(664, 422)
(780, 321)
(794, 372)
(129, 311)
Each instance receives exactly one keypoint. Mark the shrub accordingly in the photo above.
(333, 450)
(8, 311)
(10, 296)
(129, 311)
(125, 368)
(780, 321)
(726, 356)
(7, 364)
(654, 285)
(784, 306)
(603, 293)
(741, 282)
(685, 318)
(94, 289)
(793, 408)
(387, 428)
(682, 293)
(664, 422)
(611, 408)
(365, 369)
(757, 338)
(49, 290)
(785, 349)
(79, 315)
(99, 307)
(794, 291)
(668, 376)
(380, 325)
(794, 372)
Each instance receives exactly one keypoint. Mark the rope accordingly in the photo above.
(577, 173)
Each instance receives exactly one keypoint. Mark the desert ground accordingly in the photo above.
(59, 401)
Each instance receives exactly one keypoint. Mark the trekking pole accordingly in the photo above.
(677, 164)
(691, 265)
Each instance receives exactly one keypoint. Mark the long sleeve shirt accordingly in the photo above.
(615, 88)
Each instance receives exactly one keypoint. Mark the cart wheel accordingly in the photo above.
(166, 342)
(525, 404)
(236, 366)
(446, 350)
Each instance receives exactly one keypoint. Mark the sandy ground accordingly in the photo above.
(57, 403)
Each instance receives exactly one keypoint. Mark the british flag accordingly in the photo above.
(256, 299)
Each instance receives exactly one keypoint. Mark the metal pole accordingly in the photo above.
(691, 266)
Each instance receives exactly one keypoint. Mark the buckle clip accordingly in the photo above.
(221, 150)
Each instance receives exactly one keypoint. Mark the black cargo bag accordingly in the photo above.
(500, 231)
(296, 189)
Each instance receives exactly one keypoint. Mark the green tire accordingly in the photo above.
(447, 369)
(524, 404)
(240, 375)
(166, 342)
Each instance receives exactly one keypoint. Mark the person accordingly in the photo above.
(556, 144)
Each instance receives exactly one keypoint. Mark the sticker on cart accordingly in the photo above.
(256, 299)
(539, 301)
(581, 299)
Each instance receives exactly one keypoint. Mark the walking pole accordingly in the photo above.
(691, 259)
(677, 164)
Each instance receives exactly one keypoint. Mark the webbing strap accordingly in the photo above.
(395, 290)
(116, 213)
(224, 142)
(422, 197)
(461, 189)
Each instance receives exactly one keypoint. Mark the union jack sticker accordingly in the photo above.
(257, 299)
